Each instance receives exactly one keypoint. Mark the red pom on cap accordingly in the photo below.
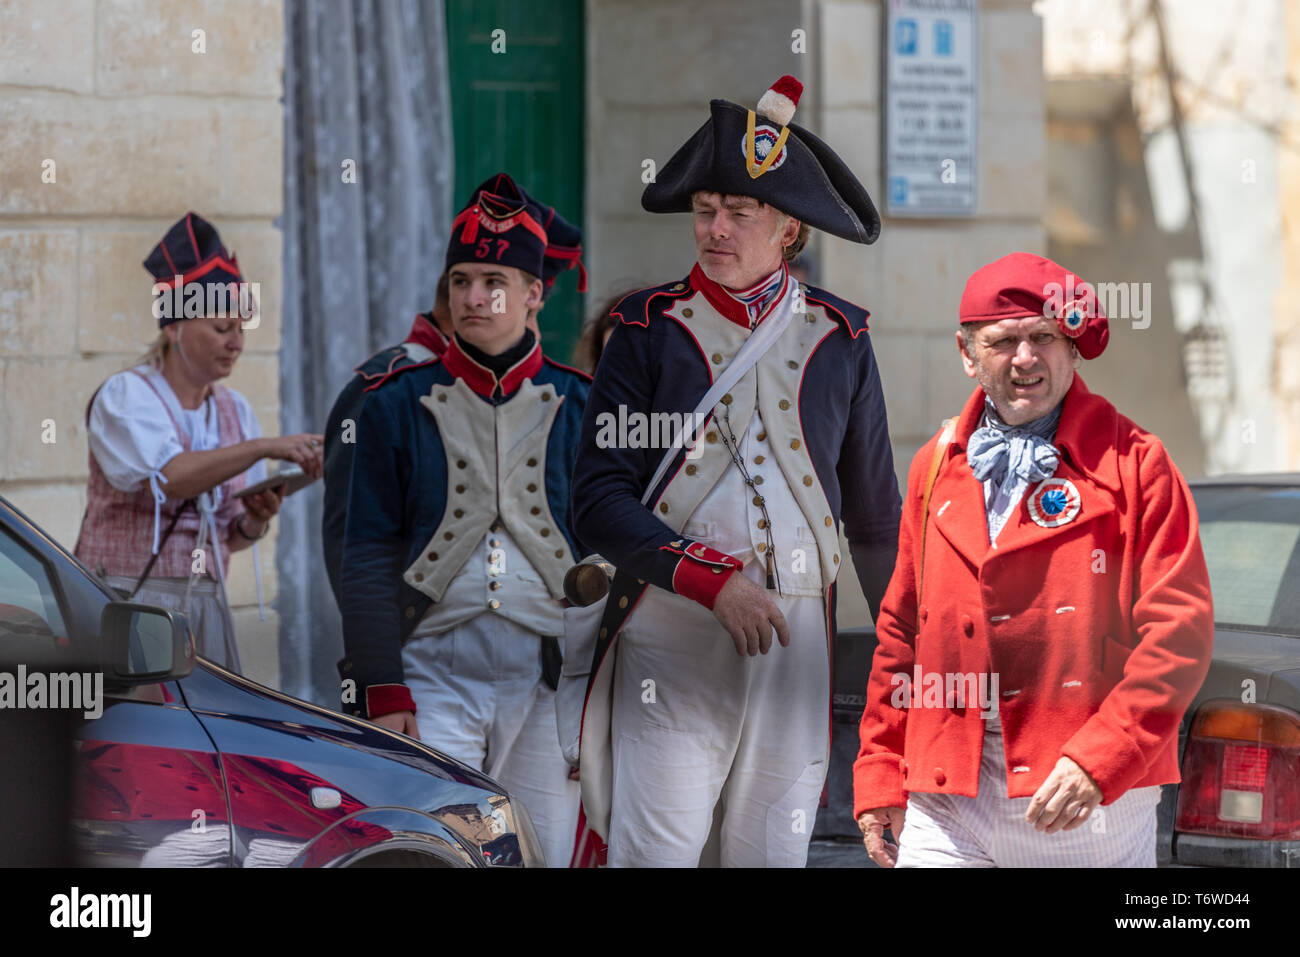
(1021, 284)
(780, 100)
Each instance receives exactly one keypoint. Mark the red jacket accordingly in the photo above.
(1099, 629)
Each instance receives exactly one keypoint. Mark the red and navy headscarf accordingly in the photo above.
(192, 250)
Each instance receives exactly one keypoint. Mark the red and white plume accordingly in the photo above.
(779, 101)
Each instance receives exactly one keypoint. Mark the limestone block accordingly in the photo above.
(117, 303)
(38, 292)
(241, 583)
(111, 157)
(259, 645)
(854, 134)
(259, 249)
(948, 386)
(1012, 167)
(44, 399)
(48, 43)
(149, 46)
(1011, 62)
(925, 265)
(252, 141)
(257, 378)
(615, 163)
(646, 57)
(628, 254)
(56, 507)
(903, 378)
(851, 53)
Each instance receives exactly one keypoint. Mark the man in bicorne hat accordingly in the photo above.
(458, 532)
(695, 717)
(1048, 550)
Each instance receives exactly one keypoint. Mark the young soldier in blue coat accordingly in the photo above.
(692, 709)
(458, 531)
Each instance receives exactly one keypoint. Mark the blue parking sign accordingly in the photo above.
(905, 34)
(943, 38)
(898, 189)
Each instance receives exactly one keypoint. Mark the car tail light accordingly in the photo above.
(1241, 772)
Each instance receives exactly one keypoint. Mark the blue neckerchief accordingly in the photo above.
(1008, 459)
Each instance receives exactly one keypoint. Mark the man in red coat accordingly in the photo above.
(1048, 625)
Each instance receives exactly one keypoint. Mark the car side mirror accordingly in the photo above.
(144, 644)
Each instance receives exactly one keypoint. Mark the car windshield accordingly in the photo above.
(1250, 534)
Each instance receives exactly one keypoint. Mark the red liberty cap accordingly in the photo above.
(1022, 284)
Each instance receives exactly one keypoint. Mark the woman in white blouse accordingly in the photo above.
(170, 448)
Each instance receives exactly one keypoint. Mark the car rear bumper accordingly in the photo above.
(1202, 850)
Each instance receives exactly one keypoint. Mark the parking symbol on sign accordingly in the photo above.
(943, 38)
(905, 33)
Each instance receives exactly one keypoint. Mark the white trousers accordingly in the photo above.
(990, 830)
(696, 728)
(480, 698)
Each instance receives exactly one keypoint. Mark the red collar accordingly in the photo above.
(425, 333)
(1088, 431)
(724, 302)
(481, 379)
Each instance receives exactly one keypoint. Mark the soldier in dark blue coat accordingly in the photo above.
(458, 531)
(690, 709)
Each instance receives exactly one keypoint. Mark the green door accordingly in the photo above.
(522, 111)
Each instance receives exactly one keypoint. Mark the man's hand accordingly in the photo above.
(872, 824)
(403, 721)
(749, 616)
(1065, 800)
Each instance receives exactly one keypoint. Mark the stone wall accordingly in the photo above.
(114, 126)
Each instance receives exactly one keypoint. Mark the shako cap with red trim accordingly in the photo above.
(500, 225)
(1022, 284)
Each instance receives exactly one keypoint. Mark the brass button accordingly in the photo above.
(762, 436)
(828, 521)
(758, 500)
(442, 397)
(726, 399)
(418, 577)
(663, 507)
(559, 553)
(762, 546)
(495, 543)
(433, 556)
(546, 397)
(710, 436)
(794, 444)
(640, 581)
(494, 604)
(535, 510)
(546, 532)
(837, 559)
(717, 358)
(807, 480)
(532, 486)
(494, 585)
(448, 536)
(691, 469)
(687, 312)
(459, 513)
(784, 404)
(791, 363)
(460, 488)
(532, 463)
(410, 612)
(604, 632)
(460, 463)
(762, 523)
(759, 459)
(758, 480)
(677, 288)
(622, 602)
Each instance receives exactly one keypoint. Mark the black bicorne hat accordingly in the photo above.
(761, 154)
(500, 225)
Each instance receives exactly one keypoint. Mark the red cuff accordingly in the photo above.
(385, 699)
(701, 572)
